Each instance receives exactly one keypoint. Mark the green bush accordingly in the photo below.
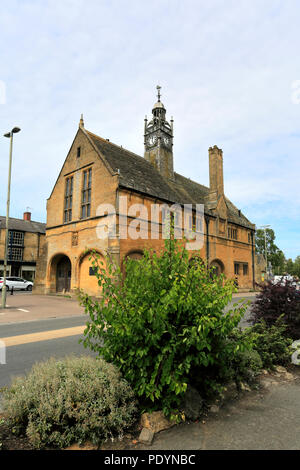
(242, 366)
(71, 400)
(162, 324)
(245, 366)
(270, 343)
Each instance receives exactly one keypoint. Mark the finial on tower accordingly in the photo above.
(158, 92)
(81, 122)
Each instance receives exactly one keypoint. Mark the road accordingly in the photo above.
(21, 357)
(35, 328)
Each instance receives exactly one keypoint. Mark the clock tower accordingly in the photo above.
(158, 140)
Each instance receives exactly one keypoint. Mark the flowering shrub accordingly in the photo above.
(70, 400)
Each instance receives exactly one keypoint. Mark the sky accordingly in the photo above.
(230, 76)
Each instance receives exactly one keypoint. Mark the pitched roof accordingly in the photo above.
(136, 173)
(23, 225)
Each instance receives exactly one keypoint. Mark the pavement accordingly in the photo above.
(268, 419)
(23, 307)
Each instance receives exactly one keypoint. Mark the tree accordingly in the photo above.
(296, 267)
(278, 262)
(265, 240)
(293, 267)
(289, 266)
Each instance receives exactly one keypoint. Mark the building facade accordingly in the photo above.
(25, 243)
(97, 173)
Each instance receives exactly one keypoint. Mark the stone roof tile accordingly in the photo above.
(22, 225)
(138, 174)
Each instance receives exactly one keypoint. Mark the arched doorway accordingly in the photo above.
(88, 281)
(63, 274)
(134, 255)
(196, 261)
(217, 267)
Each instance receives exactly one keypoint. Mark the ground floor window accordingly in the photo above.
(236, 269)
(245, 269)
(28, 275)
(241, 266)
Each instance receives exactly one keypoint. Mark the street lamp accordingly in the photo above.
(264, 227)
(10, 136)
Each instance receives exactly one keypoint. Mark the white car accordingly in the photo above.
(16, 283)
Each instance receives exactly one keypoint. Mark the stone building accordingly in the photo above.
(260, 269)
(97, 172)
(25, 242)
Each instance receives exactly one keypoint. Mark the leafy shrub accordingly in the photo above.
(163, 324)
(271, 343)
(71, 400)
(243, 366)
(246, 366)
(276, 300)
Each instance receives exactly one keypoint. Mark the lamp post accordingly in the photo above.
(10, 136)
(264, 227)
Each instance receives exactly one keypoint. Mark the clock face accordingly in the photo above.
(166, 141)
(152, 139)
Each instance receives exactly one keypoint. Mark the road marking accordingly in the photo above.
(23, 310)
(43, 336)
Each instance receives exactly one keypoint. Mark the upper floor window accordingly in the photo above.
(86, 194)
(195, 222)
(78, 152)
(232, 233)
(166, 215)
(16, 238)
(68, 200)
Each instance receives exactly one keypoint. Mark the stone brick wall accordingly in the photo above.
(75, 238)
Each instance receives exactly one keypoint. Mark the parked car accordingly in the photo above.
(17, 283)
(283, 279)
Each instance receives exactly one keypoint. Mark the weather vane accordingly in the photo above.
(158, 92)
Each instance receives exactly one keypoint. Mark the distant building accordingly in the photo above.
(25, 241)
(97, 172)
(260, 269)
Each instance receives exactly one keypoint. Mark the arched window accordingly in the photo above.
(217, 267)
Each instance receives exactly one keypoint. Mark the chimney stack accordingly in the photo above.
(216, 181)
(27, 216)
